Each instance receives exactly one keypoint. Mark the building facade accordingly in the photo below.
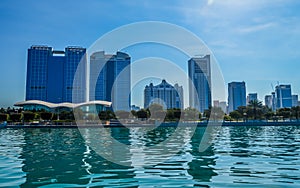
(294, 100)
(199, 71)
(110, 78)
(252, 97)
(223, 106)
(283, 96)
(164, 94)
(268, 101)
(50, 74)
(236, 95)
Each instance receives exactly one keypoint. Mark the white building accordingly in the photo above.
(164, 94)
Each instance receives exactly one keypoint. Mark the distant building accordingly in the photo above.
(50, 74)
(294, 100)
(283, 96)
(216, 103)
(223, 106)
(113, 82)
(273, 101)
(199, 71)
(164, 94)
(236, 95)
(251, 97)
(268, 101)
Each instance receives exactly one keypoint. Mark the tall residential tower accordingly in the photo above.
(200, 83)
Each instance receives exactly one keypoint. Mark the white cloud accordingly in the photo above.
(256, 28)
(210, 2)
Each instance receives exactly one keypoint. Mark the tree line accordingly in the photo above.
(254, 111)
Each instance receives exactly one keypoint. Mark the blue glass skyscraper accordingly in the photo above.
(200, 83)
(110, 78)
(50, 74)
(283, 96)
(236, 95)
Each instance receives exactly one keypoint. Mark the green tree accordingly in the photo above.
(295, 111)
(66, 115)
(227, 118)
(103, 115)
(177, 113)
(284, 112)
(46, 115)
(28, 116)
(214, 113)
(3, 117)
(255, 109)
(170, 115)
(142, 114)
(15, 117)
(133, 113)
(235, 115)
(106, 115)
(191, 114)
(269, 115)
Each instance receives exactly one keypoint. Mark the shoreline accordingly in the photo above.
(165, 124)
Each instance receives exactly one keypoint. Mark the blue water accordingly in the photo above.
(237, 157)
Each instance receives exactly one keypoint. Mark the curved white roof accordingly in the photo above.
(65, 104)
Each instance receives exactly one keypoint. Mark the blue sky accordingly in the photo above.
(253, 40)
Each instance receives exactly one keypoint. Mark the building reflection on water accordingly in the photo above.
(201, 166)
(63, 158)
(237, 156)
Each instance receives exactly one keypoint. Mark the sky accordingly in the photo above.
(256, 41)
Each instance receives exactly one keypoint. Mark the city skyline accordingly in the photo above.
(255, 39)
(103, 87)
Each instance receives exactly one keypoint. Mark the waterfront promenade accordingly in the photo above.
(164, 124)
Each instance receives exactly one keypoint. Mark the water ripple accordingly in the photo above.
(238, 156)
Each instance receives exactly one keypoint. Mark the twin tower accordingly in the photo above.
(64, 76)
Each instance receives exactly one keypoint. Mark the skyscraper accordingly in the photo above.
(110, 78)
(164, 94)
(251, 97)
(283, 96)
(200, 82)
(50, 74)
(294, 100)
(268, 101)
(236, 95)
(74, 90)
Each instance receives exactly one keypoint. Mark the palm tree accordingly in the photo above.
(255, 106)
(295, 111)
